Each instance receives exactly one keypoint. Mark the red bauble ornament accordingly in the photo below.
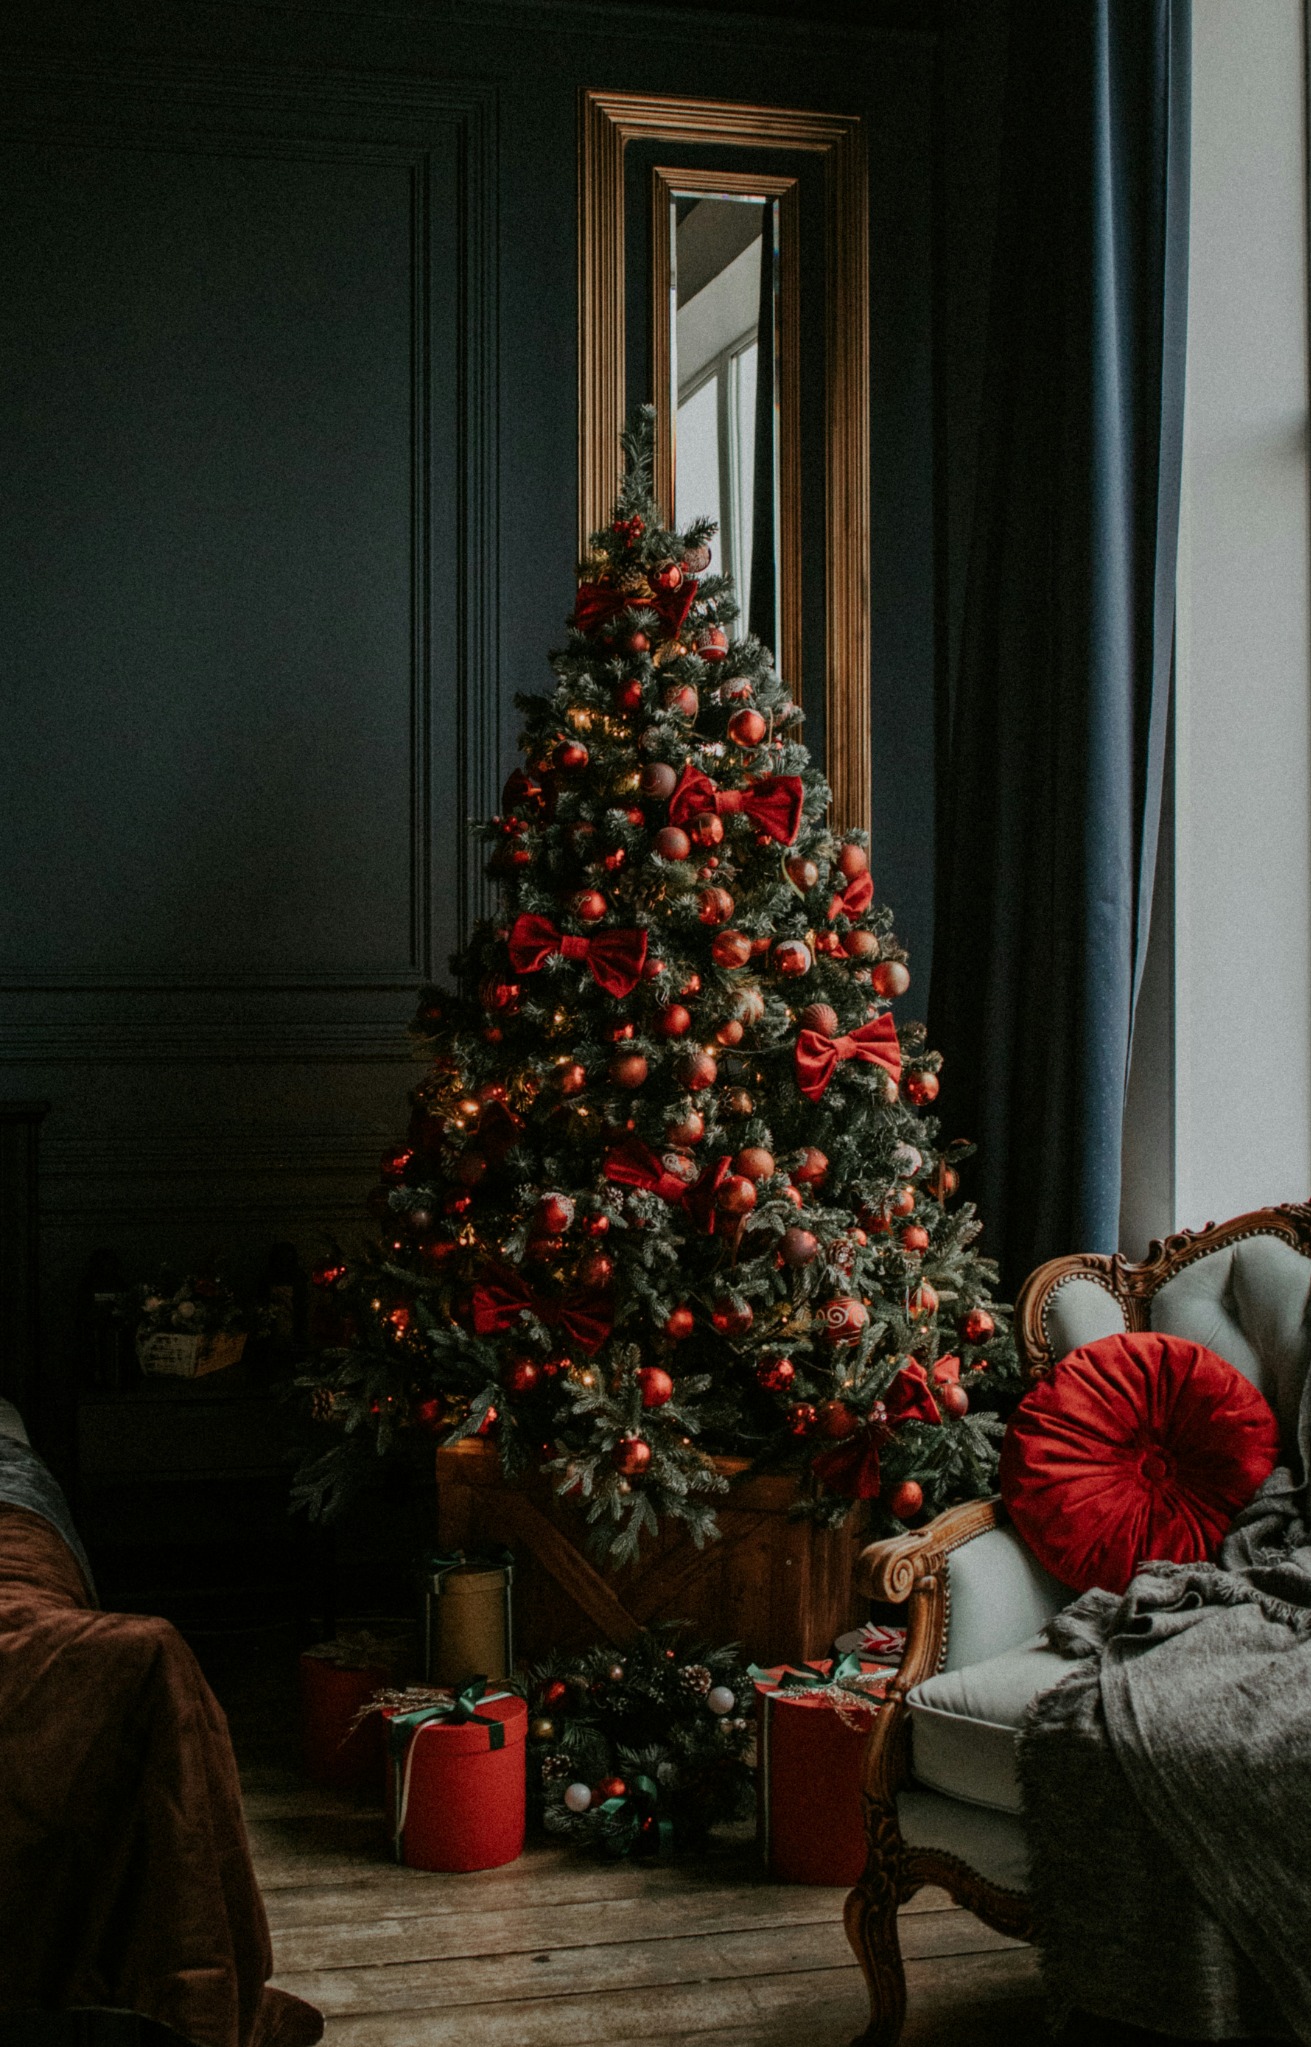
(812, 1168)
(842, 1319)
(902, 1202)
(555, 1693)
(610, 1787)
(715, 906)
(681, 1323)
(543, 1250)
(571, 1079)
(488, 1422)
(589, 905)
(673, 1022)
(595, 1225)
(696, 560)
(853, 860)
(924, 1301)
(497, 994)
(394, 1162)
(755, 1162)
(890, 978)
(730, 949)
(708, 828)
(597, 1269)
(629, 1071)
(777, 1376)
(329, 1272)
(682, 697)
(658, 781)
(978, 1326)
(472, 1167)
(792, 957)
(837, 1420)
(712, 643)
(905, 1499)
(737, 1196)
(861, 945)
(636, 642)
(457, 1204)
(628, 695)
(801, 872)
(631, 1455)
(740, 1103)
(914, 1239)
(943, 1181)
(732, 1321)
(428, 1414)
(818, 1016)
(521, 791)
(554, 1213)
(689, 1129)
(953, 1397)
(571, 756)
(747, 728)
(520, 1375)
(669, 576)
(921, 1088)
(699, 1071)
(671, 843)
(799, 1247)
(657, 1386)
(802, 1418)
(614, 859)
(730, 1033)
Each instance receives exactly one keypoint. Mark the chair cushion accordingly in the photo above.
(963, 1723)
(1135, 1446)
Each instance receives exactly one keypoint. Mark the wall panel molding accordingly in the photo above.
(223, 1044)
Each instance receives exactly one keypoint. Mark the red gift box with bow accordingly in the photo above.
(810, 1753)
(456, 1779)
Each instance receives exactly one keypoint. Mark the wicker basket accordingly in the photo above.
(169, 1354)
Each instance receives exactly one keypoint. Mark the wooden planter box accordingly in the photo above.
(782, 1588)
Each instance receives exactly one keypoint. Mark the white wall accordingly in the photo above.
(1242, 992)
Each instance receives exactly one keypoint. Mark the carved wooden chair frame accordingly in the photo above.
(910, 1570)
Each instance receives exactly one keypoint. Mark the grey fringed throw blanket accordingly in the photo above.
(1167, 1788)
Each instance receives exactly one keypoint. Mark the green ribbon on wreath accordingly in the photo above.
(643, 1830)
(457, 1711)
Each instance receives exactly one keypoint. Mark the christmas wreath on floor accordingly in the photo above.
(644, 1750)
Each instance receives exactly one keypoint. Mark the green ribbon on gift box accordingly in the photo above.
(643, 1831)
(844, 1670)
(457, 1711)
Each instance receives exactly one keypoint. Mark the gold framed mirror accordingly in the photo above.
(739, 224)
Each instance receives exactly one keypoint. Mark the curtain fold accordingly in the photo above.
(1052, 792)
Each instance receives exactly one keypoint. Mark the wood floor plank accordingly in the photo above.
(493, 1977)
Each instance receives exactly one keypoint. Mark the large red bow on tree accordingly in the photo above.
(852, 1468)
(772, 802)
(854, 899)
(818, 1056)
(910, 1398)
(614, 958)
(598, 603)
(586, 1317)
(634, 1164)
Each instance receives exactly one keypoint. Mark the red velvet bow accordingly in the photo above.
(818, 1056)
(634, 1164)
(498, 1301)
(910, 1398)
(854, 899)
(598, 603)
(772, 802)
(614, 958)
(852, 1468)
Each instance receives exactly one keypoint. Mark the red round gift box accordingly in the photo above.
(336, 1756)
(811, 1760)
(466, 1803)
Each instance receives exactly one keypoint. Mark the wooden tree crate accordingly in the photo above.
(782, 1588)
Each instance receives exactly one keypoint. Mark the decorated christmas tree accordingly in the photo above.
(669, 1193)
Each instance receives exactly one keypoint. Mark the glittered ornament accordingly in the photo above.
(682, 698)
(811, 1168)
(699, 1071)
(571, 756)
(553, 1213)
(755, 1162)
(629, 1071)
(799, 1247)
(658, 781)
(715, 906)
(671, 843)
(730, 949)
(819, 1016)
(730, 1033)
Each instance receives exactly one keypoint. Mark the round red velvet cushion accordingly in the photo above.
(1134, 1447)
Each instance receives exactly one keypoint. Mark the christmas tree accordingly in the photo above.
(669, 1193)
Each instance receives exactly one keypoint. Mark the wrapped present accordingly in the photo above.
(466, 1616)
(873, 1643)
(814, 1724)
(337, 1679)
(456, 1766)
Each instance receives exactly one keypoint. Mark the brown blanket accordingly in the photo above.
(125, 1879)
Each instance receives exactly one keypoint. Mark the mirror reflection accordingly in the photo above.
(723, 292)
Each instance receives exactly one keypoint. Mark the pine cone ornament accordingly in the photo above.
(556, 1768)
(694, 1680)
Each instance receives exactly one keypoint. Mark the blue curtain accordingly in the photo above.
(1051, 798)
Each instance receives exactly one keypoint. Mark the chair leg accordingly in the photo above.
(870, 1917)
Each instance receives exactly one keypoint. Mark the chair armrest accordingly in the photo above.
(907, 1570)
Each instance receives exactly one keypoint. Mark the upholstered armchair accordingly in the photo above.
(941, 1790)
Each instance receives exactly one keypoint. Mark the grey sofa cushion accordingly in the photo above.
(1251, 1303)
(963, 1723)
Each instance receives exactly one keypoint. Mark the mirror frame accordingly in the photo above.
(609, 121)
(667, 181)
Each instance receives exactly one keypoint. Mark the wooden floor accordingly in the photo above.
(561, 1951)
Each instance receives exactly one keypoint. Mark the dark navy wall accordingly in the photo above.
(288, 447)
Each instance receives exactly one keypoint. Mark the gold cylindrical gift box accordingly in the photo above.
(466, 1621)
